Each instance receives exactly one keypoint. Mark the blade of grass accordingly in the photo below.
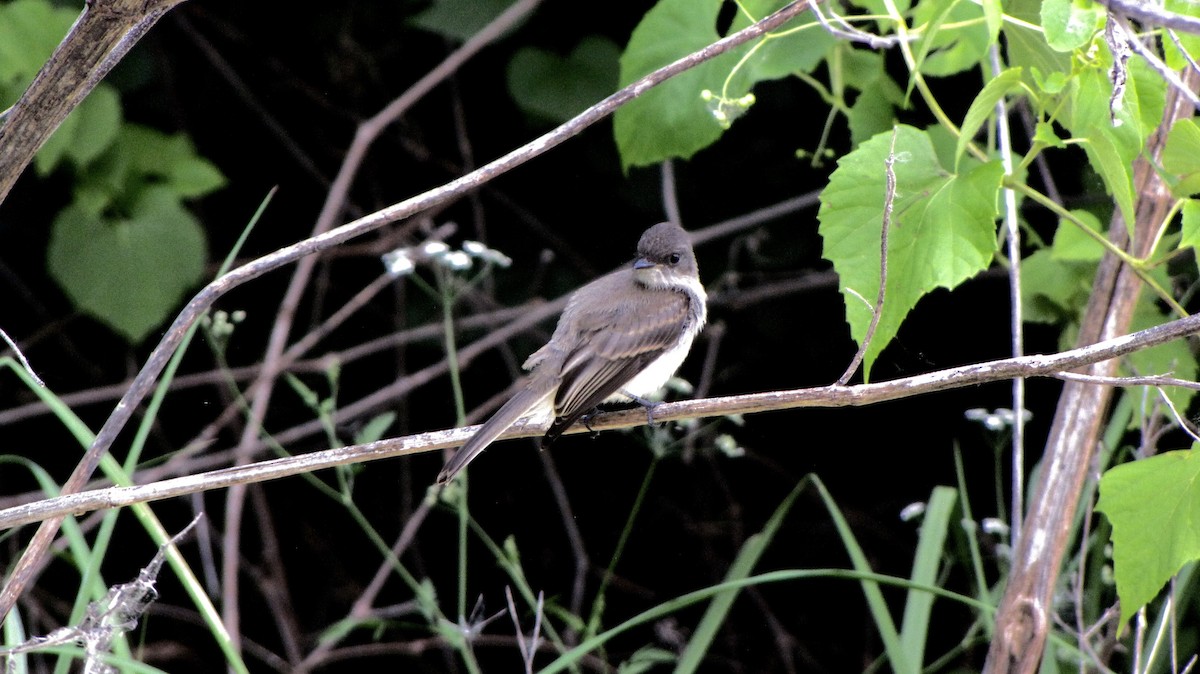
(919, 605)
(875, 601)
(120, 475)
(574, 655)
(743, 565)
(971, 530)
(14, 633)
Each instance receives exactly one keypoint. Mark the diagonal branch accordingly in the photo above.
(144, 382)
(99, 39)
(1153, 15)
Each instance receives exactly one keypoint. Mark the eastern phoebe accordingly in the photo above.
(619, 339)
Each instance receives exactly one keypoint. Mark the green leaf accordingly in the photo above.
(870, 115)
(87, 132)
(29, 32)
(646, 659)
(143, 155)
(1072, 244)
(100, 121)
(1071, 24)
(556, 88)
(880, 8)
(880, 615)
(459, 19)
(1173, 56)
(672, 119)
(993, 15)
(1027, 48)
(375, 428)
(193, 176)
(1181, 157)
(874, 110)
(128, 272)
(1191, 224)
(1149, 95)
(942, 232)
(945, 51)
(1044, 133)
(781, 56)
(1054, 291)
(1154, 508)
(983, 106)
(1110, 150)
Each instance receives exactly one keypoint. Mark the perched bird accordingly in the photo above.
(620, 338)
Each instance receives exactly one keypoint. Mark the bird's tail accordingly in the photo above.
(534, 393)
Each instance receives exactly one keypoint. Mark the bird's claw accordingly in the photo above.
(648, 405)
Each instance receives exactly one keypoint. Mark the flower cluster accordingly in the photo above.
(404, 261)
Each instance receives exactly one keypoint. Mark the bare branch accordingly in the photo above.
(822, 396)
(99, 39)
(1151, 14)
(845, 31)
(21, 357)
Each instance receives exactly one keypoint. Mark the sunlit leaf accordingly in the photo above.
(942, 232)
(1154, 508)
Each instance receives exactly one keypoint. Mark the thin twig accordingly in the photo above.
(21, 358)
(1016, 326)
(372, 347)
(714, 334)
(889, 198)
(845, 31)
(1195, 67)
(583, 564)
(756, 217)
(1151, 14)
(1150, 380)
(670, 196)
(361, 609)
(1127, 35)
(1183, 422)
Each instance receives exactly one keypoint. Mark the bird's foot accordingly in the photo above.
(648, 405)
(586, 420)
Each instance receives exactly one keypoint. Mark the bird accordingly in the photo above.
(619, 339)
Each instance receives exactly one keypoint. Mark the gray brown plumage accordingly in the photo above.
(623, 333)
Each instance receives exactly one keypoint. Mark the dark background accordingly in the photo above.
(271, 93)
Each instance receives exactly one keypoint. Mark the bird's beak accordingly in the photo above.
(642, 263)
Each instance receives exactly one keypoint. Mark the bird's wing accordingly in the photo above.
(614, 345)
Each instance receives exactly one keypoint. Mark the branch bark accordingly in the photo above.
(100, 38)
(1024, 617)
(824, 396)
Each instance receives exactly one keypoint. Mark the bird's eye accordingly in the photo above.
(674, 258)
